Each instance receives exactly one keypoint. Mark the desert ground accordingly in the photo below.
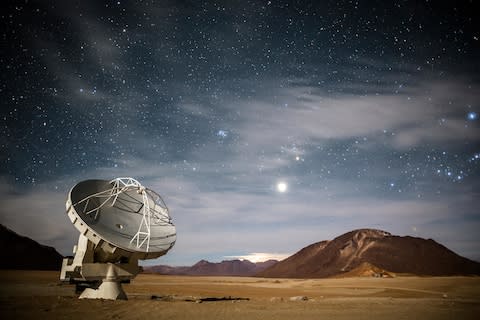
(38, 294)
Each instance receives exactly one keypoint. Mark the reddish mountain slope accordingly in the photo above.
(23, 253)
(205, 268)
(379, 249)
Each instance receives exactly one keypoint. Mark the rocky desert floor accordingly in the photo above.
(39, 295)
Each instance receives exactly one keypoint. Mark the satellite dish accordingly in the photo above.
(120, 221)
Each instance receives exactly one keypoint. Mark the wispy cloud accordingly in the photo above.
(416, 115)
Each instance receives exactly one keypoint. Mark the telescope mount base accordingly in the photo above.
(109, 289)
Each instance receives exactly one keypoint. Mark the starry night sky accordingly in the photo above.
(265, 125)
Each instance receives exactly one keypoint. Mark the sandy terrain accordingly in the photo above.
(36, 295)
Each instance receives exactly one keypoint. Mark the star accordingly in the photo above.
(222, 133)
(282, 187)
(472, 116)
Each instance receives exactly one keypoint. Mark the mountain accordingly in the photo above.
(372, 252)
(206, 268)
(19, 252)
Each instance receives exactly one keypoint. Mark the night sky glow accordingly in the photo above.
(265, 125)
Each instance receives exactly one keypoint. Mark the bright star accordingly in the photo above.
(222, 133)
(281, 187)
(472, 116)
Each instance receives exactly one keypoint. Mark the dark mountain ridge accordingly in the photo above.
(206, 268)
(22, 253)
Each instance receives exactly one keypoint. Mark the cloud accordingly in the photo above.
(261, 256)
(416, 115)
(443, 131)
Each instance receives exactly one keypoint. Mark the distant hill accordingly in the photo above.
(372, 252)
(19, 252)
(205, 268)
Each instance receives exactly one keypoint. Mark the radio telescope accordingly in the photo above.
(120, 221)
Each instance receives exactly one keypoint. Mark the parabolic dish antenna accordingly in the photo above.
(120, 221)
